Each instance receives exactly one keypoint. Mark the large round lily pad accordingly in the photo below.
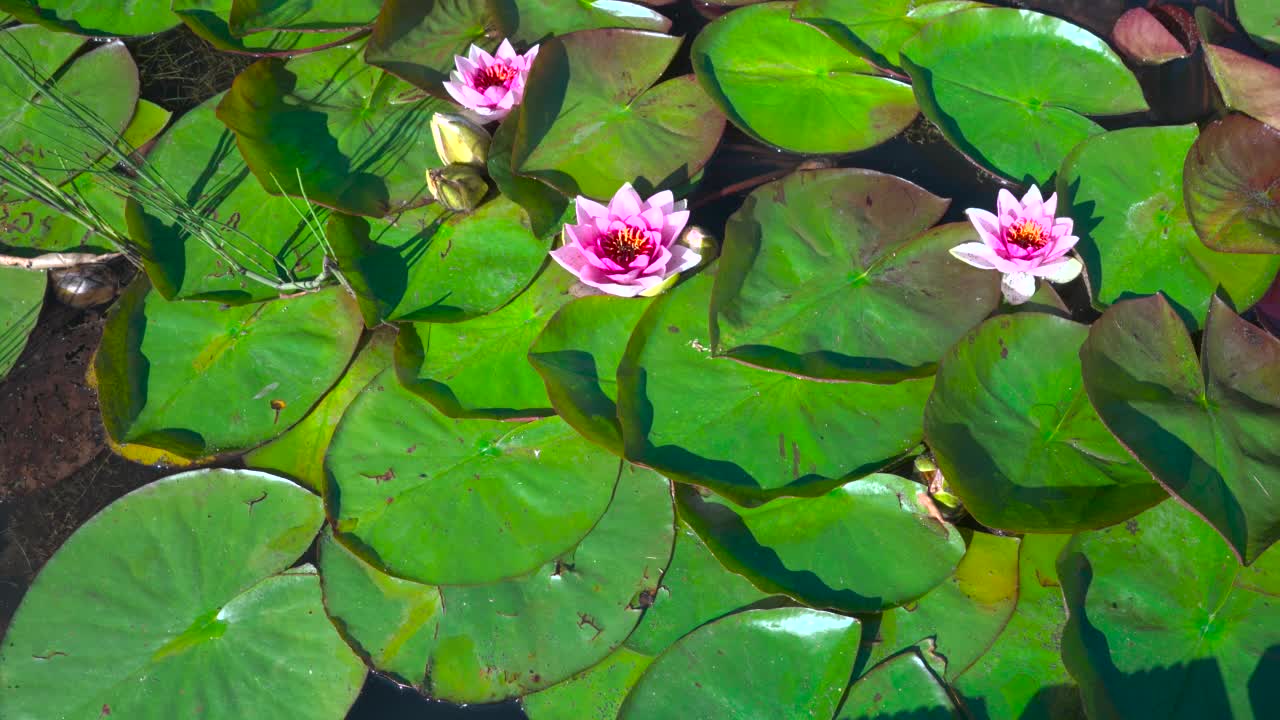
(1209, 430)
(1165, 623)
(299, 453)
(95, 17)
(596, 693)
(178, 601)
(459, 502)
(1011, 88)
(21, 297)
(590, 121)
(791, 86)
(1261, 19)
(577, 356)
(1016, 438)
(261, 232)
(198, 379)
(327, 125)
(481, 643)
(33, 125)
(211, 21)
(961, 618)
(478, 368)
(1231, 184)
(875, 29)
(832, 274)
(902, 686)
(434, 265)
(744, 431)
(831, 550)
(717, 670)
(1022, 675)
(1124, 191)
(253, 16)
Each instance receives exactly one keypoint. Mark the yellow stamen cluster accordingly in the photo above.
(1027, 234)
(494, 75)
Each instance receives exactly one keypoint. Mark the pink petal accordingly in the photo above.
(505, 51)
(658, 266)
(1032, 202)
(976, 254)
(988, 227)
(673, 226)
(625, 203)
(589, 210)
(570, 258)
(663, 200)
(683, 258)
(529, 56)
(1064, 270)
(653, 218)
(1018, 287)
(1007, 205)
(1051, 205)
(466, 67)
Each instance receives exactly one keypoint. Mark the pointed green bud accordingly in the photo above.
(460, 141)
(460, 188)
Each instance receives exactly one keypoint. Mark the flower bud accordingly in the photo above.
(460, 188)
(460, 141)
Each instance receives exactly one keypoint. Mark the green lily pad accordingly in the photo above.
(963, 616)
(481, 643)
(548, 209)
(541, 19)
(459, 502)
(35, 129)
(29, 227)
(334, 121)
(254, 16)
(261, 232)
(177, 601)
(299, 453)
(1124, 191)
(590, 121)
(594, 694)
(1231, 185)
(198, 379)
(1016, 438)
(1209, 431)
(1021, 677)
(830, 550)
(211, 21)
(717, 670)
(798, 89)
(95, 17)
(433, 265)
(833, 274)
(478, 368)
(1261, 19)
(1011, 88)
(901, 686)
(21, 297)
(696, 589)
(747, 432)
(875, 29)
(1164, 622)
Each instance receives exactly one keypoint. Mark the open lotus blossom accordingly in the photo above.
(629, 247)
(489, 86)
(1024, 241)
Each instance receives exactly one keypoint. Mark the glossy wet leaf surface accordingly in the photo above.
(334, 120)
(799, 90)
(1012, 88)
(480, 643)
(433, 265)
(901, 686)
(714, 671)
(835, 274)
(478, 368)
(591, 121)
(449, 502)
(1017, 439)
(210, 20)
(1124, 191)
(786, 432)
(199, 379)
(179, 600)
(875, 29)
(1165, 622)
(95, 17)
(250, 16)
(1208, 429)
(830, 550)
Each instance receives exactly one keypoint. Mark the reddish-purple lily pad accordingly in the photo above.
(1231, 183)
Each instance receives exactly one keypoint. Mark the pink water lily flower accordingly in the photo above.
(489, 86)
(1024, 240)
(629, 247)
